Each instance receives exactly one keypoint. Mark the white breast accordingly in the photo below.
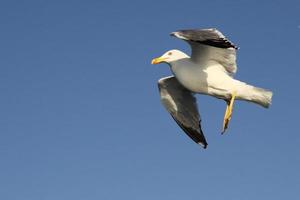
(207, 79)
(190, 75)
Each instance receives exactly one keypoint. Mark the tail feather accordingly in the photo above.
(262, 97)
(257, 95)
(253, 94)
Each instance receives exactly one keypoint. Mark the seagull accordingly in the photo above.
(209, 70)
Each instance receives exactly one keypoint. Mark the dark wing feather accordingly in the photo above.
(210, 45)
(211, 37)
(181, 104)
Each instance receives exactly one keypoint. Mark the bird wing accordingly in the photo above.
(210, 45)
(182, 106)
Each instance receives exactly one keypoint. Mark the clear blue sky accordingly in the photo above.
(80, 111)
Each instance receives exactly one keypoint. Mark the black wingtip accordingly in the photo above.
(203, 145)
(211, 37)
(173, 34)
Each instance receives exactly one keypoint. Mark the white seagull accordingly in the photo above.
(209, 71)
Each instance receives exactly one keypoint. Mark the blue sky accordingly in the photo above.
(81, 116)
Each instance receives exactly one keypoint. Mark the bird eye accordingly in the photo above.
(170, 53)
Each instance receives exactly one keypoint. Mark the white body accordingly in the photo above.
(212, 79)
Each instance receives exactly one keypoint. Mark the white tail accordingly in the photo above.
(263, 97)
(257, 95)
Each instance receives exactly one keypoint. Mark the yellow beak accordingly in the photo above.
(157, 60)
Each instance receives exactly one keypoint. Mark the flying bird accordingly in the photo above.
(209, 70)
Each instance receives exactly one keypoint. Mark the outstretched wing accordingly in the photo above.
(181, 104)
(210, 45)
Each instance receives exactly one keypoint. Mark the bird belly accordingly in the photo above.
(210, 81)
(214, 81)
(194, 80)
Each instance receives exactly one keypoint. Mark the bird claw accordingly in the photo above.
(228, 113)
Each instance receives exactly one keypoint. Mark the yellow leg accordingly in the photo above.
(225, 121)
(228, 112)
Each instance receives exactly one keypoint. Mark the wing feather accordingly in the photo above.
(210, 45)
(181, 104)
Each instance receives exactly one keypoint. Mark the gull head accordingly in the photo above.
(170, 56)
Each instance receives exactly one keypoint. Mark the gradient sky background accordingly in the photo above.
(80, 110)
